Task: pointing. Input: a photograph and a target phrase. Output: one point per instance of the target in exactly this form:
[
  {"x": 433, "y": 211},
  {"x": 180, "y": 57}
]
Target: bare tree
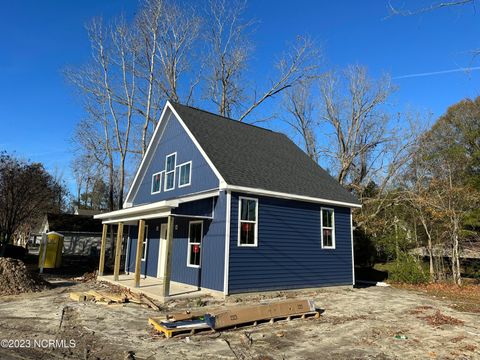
[
  {"x": 300, "y": 109},
  {"x": 166, "y": 35},
  {"x": 229, "y": 51},
  {"x": 394, "y": 10}
]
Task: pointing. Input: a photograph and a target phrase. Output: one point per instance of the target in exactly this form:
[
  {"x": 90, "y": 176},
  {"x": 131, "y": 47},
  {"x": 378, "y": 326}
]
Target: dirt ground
[{"x": 367, "y": 323}]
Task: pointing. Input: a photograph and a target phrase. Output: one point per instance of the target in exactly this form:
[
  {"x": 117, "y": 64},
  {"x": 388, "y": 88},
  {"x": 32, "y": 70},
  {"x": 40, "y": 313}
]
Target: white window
[
  {"x": 327, "y": 220},
  {"x": 195, "y": 236},
  {"x": 145, "y": 244},
  {"x": 156, "y": 183},
  {"x": 170, "y": 165},
  {"x": 185, "y": 174},
  {"x": 247, "y": 221}
]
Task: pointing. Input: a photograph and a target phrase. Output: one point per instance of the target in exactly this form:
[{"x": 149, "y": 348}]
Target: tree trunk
[{"x": 457, "y": 278}]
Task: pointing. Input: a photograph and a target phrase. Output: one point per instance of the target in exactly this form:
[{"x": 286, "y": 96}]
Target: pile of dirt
[{"x": 16, "y": 279}]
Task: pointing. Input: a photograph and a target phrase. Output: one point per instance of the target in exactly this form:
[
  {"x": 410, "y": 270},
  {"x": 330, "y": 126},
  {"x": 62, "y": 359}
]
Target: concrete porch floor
[{"x": 152, "y": 287}]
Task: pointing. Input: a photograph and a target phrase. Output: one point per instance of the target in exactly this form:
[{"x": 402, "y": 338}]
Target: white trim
[
  {"x": 160, "y": 185},
  {"x": 160, "y": 243},
  {"x": 165, "y": 189},
  {"x": 149, "y": 153},
  {"x": 227, "y": 243},
  {"x": 145, "y": 250},
  {"x": 127, "y": 252},
  {"x": 255, "y": 232},
  {"x": 200, "y": 244},
  {"x": 255, "y": 191},
  {"x": 180, "y": 174},
  {"x": 351, "y": 237},
  {"x": 133, "y": 188},
  {"x": 204, "y": 154},
  {"x": 328, "y": 228}
]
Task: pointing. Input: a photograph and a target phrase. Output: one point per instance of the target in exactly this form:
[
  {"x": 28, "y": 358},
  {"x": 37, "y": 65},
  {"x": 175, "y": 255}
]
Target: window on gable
[
  {"x": 185, "y": 174},
  {"x": 156, "y": 183},
  {"x": 248, "y": 222},
  {"x": 328, "y": 228},
  {"x": 195, "y": 236},
  {"x": 170, "y": 164}
]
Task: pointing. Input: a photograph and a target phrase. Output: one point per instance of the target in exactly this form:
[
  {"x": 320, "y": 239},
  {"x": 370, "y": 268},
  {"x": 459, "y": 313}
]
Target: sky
[{"x": 39, "y": 39}]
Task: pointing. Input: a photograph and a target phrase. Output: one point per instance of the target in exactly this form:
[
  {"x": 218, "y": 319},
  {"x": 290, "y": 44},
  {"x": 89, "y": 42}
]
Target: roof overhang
[
  {"x": 281, "y": 195},
  {"x": 142, "y": 212},
  {"x": 154, "y": 210},
  {"x": 167, "y": 111}
]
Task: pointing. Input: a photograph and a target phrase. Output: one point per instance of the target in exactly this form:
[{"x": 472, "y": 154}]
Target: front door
[{"x": 162, "y": 250}]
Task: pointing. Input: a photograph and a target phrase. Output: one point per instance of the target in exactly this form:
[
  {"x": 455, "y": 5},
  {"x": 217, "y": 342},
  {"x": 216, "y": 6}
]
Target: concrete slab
[{"x": 152, "y": 287}]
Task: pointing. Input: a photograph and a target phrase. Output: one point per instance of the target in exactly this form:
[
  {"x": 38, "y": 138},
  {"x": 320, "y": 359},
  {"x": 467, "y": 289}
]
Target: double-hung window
[
  {"x": 195, "y": 236},
  {"x": 185, "y": 174},
  {"x": 327, "y": 219},
  {"x": 170, "y": 164},
  {"x": 156, "y": 183},
  {"x": 247, "y": 222}
]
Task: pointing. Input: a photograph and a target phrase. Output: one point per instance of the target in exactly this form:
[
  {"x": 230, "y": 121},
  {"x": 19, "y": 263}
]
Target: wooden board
[
  {"x": 247, "y": 314},
  {"x": 170, "y": 331}
]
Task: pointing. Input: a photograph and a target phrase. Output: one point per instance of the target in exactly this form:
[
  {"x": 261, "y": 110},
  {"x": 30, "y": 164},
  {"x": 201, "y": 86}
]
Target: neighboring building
[
  {"x": 251, "y": 211},
  {"x": 82, "y": 234}
]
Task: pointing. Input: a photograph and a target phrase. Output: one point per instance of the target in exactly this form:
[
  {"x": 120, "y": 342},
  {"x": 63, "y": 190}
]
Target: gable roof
[{"x": 250, "y": 156}]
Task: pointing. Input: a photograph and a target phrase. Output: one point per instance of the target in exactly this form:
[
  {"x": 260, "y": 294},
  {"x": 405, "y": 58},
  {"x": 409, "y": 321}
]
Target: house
[
  {"x": 232, "y": 207},
  {"x": 82, "y": 234}
]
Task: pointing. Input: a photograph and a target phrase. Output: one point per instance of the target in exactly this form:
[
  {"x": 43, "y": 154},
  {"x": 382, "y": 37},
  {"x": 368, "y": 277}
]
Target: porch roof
[{"x": 153, "y": 210}]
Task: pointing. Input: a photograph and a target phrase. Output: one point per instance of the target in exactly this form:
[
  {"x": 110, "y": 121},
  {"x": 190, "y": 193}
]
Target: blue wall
[
  {"x": 211, "y": 273},
  {"x": 289, "y": 253},
  {"x": 175, "y": 139}
]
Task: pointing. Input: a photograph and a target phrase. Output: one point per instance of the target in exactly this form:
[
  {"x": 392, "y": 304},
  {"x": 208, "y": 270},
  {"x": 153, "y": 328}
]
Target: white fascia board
[
  {"x": 198, "y": 196},
  {"x": 194, "y": 140},
  {"x": 128, "y": 200},
  {"x": 281, "y": 195},
  {"x": 156, "y": 206},
  {"x": 145, "y": 160},
  {"x": 126, "y": 219}
]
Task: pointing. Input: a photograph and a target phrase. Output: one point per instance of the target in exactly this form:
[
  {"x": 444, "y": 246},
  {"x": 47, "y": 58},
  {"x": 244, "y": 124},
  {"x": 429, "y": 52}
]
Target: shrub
[{"x": 407, "y": 269}]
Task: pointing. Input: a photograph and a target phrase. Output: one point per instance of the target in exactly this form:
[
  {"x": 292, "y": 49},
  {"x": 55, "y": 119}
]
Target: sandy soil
[{"x": 356, "y": 324}]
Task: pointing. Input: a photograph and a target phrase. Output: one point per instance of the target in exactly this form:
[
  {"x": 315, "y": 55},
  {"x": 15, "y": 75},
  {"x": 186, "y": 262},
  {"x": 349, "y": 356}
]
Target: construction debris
[
  {"x": 16, "y": 279},
  {"x": 107, "y": 298},
  {"x": 192, "y": 322}
]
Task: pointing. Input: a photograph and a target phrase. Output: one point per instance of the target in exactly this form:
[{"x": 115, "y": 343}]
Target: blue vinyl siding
[
  {"x": 289, "y": 253},
  {"x": 211, "y": 273},
  {"x": 204, "y": 207},
  {"x": 175, "y": 139}
]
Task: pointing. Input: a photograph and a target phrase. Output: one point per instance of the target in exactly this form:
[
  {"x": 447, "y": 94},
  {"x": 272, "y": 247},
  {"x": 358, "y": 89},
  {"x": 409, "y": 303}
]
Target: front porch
[
  {"x": 153, "y": 288},
  {"x": 145, "y": 234}
]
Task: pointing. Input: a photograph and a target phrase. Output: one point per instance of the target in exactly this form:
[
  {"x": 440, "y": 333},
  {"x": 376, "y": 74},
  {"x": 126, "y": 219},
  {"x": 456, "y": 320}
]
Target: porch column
[
  {"x": 101, "y": 265},
  {"x": 167, "y": 265},
  {"x": 118, "y": 252},
  {"x": 138, "y": 261}
]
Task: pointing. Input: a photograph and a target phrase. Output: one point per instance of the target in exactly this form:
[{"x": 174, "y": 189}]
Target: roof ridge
[{"x": 226, "y": 118}]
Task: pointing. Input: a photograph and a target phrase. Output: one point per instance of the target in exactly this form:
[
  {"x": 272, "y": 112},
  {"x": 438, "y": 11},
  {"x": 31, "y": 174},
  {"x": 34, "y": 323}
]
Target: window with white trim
[
  {"x": 327, "y": 219},
  {"x": 185, "y": 174},
  {"x": 156, "y": 182},
  {"x": 247, "y": 221},
  {"x": 195, "y": 236},
  {"x": 170, "y": 164},
  {"x": 145, "y": 244}
]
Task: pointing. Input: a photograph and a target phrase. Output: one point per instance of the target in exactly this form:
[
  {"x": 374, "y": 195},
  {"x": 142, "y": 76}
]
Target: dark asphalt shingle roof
[{"x": 251, "y": 156}]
